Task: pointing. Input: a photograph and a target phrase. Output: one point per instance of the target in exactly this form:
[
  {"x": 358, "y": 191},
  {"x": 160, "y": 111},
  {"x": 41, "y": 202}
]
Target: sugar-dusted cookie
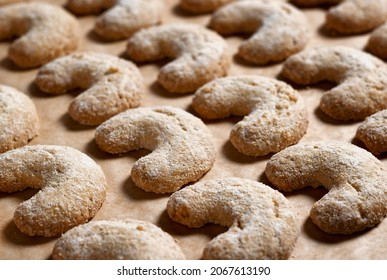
[
  {"x": 19, "y": 122},
  {"x": 361, "y": 79},
  {"x": 46, "y": 31},
  {"x": 198, "y": 54},
  {"x": 355, "y": 179},
  {"x": 127, "y": 239},
  {"x": 262, "y": 223},
  {"x": 275, "y": 114},
  {"x": 279, "y": 29}
]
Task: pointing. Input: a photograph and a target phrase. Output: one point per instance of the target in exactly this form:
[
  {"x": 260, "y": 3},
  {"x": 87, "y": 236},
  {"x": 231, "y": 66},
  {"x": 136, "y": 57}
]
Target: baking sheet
[{"x": 125, "y": 200}]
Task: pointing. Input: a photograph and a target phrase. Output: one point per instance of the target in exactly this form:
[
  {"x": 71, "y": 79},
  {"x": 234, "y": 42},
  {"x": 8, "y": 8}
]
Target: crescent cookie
[
  {"x": 361, "y": 79},
  {"x": 112, "y": 85},
  {"x": 198, "y": 55},
  {"x": 182, "y": 146},
  {"x": 19, "y": 122},
  {"x": 354, "y": 178},
  {"x": 351, "y": 16},
  {"x": 275, "y": 114},
  {"x": 117, "y": 240},
  {"x": 373, "y": 132},
  {"x": 279, "y": 29},
  {"x": 261, "y": 221},
  {"x": 72, "y": 187},
  {"x": 46, "y": 31},
  {"x": 122, "y": 18},
  {"x": 377, "y": 43}
]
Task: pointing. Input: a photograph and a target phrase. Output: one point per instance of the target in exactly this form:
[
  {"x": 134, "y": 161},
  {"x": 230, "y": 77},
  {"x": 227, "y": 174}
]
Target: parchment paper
[{"x": 125, "y": 200}]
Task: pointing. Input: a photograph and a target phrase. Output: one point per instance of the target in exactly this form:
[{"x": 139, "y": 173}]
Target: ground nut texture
[
  {"x": 72, "y": 187},
  {"x": 373, "y": 132},
  {"x": 276, "y": 116},
  {"x": 182, "y": 146},
  {"x": 261, "y": 222},
  {"x": 361, "y": 79},
  {"x": 112, "y": 85},
  {"x": 355, "y": 179},
  {"x": 19, "y": 122},
  {"x": 117, "y": 240},
  {"x": 46, "y": 32},
  {"x": 198, "y": 54}
]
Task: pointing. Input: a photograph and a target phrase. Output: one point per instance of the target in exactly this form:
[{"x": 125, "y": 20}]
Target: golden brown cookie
[
  {"x": 117, "y": 240},
  {"x": 361, "y": 79},
  {"x": 279, "y": 29},
  {"x": 112, "y": 85},
  {"x": 377, "y": 43},
  {"x": 19, "y": 122},
  {"x": 356, "y": 16},
  {"x": 182, "y": 146},
  {"x": 73, "y": 187},
  {"x": 275, "y": 114},
  {"x": 261, "y": 221},
  {"x": 202, "y": 6},
  {"x": 198, "y": 55},
  {"x": 373, "y": 132},
  {"x": 355, "y": 179},
  {"x": 123, "y": 17},
  {"x": 351, "y": 16},
  {"x": 46, "y": 31}
]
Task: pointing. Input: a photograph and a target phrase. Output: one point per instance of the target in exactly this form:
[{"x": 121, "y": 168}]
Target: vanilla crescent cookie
[
  {"x": 373, "y": 132},
  {"x": 361, "y": 79},
  {"x": 202, "y": 6},
  {"x": 127, "y": 239},
  {"x": 182, "y": 146},
  {"x": 72, "y": 187},
  {"x": 46, "y": 31},
  {"x": 351, "y": 16},
  {"x": 19, "y": 122},
  {"x": 112, "y": 85},
  {"x": 354, "y": 178},
  {"x": 198, "y": 55},
  {"x": 377, "y": 43},
  {"x": 275, "y": 114},
  {"x": 123, "y": 17},
  {"x": 262, "y": 223},
  {"x": 279, "y": 29}
]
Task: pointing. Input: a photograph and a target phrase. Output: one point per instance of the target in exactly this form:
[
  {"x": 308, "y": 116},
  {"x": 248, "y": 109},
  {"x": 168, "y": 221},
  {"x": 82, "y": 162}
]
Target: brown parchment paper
[{"x": 125, "y": 200}]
